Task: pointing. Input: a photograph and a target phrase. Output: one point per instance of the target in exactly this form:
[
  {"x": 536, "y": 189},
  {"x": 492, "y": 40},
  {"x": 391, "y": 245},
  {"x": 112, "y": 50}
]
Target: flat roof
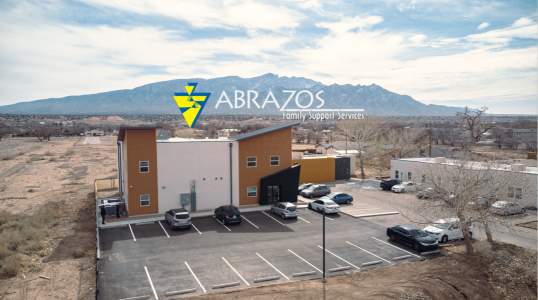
[
  {"x": 121, "y": 134},
  {"x": 476, "y": 164},
  {"x": 263, "y": 131}
]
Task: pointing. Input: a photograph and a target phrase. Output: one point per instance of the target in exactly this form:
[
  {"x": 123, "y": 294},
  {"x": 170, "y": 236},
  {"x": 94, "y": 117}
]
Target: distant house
[
  {"x": 326, "y": 148},
  {"x": 94, "y": 132},
  {"x": 520, "y": 133},
  {"x": 225, "y": 133}
]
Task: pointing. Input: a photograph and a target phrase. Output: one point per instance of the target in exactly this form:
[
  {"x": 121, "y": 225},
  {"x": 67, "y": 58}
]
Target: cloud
[
  {"x": 347, "y": 24},
  {"x": 483, "y": 25},
  {"x": 523, "y": 28},
  {"x": 213, "y": 13}
]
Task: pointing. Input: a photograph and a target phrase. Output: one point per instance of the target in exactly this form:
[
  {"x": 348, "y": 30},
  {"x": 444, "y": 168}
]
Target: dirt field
[{"x": 58, "y": 174}]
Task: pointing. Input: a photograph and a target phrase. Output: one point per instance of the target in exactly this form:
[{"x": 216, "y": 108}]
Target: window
[
  {"x": 423, "y": 178},
  {"x": 144, "y": 166},
  {"x": 408, "y": 176},
  {"x": 251, "y": 162},
  {"x": 144, "y": 200},
  {"x": 274, "y": 161},
  {"x": 252, "y": 191},
  {"x": 396, "y": 174}
]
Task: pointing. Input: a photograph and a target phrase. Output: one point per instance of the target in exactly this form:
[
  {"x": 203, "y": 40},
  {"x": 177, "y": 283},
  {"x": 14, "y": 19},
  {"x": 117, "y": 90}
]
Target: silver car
[
  {"x": 316, "y": 191},
  {"x": 285, "y": 210},
  {"x": 178, "y": 217},
  {"x": 505, "y": 208}
]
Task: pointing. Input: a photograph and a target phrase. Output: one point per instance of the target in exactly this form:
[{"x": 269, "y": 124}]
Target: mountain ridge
[{"x": 157, "y": 98}]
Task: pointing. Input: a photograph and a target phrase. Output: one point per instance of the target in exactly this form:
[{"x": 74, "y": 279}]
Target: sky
[{"x": 446, "y": 52}]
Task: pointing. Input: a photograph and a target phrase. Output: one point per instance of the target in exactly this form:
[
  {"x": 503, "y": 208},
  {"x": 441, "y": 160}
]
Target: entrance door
[{"x": 273, "y": 193}]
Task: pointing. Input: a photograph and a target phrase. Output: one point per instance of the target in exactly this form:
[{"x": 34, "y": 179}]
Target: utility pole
[{"x": 430, "y": 139}]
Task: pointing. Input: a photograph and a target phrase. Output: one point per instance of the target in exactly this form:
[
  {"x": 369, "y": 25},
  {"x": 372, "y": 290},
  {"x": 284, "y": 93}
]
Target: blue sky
[{"x": 475, "y": 53}]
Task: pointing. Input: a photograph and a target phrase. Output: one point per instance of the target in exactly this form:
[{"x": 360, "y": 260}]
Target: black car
[
  {"x": 227, "y": 214},
  {"x": 412, "y": 236},
  {"x": 387, "y": 184}
]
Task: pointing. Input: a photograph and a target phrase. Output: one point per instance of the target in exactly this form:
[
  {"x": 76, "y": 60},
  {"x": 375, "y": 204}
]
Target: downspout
[
  {"x": 120, "y": 173},
  {"x": 231, "y": 179}
]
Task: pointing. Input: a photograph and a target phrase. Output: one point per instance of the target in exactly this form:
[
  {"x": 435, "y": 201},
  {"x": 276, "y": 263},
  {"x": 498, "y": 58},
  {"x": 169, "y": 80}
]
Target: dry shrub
[
  {"x": 7, "y": 216},
  {"x": 20, "y": 153},
  {"x": 33, "y": 158},
  {"x": 59, "y": 213},
  {"x": 75, "y": 218},
  {"x": 3, "y": 187},
  {"x": 8, "y": 157},
  {"x": 69, "y": 152},
  {"x": 30, "y": 190},
  {"x": 43, "y": 216},
  {"x": 48, "y": 153},
  {"x": 30, "y": 246},
  {"x": 4, "y": 251},
  {"x": 12, "y": 264},
  {"x": 53, "y": 159},
  {"x": 78, "y": 253}
]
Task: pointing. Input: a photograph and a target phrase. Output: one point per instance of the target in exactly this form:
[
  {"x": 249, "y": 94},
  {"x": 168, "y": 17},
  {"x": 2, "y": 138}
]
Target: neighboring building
[
  {"x": 520, "y": 133},
  {"x": 410, "y": 169},
  {"x": 228, "y": 132},
  {"x": 157, "y": 175},
  {"x": 326, "y": 148},
  {"x": 94, "y": 132},
  {"x": 438, "y": 152}
]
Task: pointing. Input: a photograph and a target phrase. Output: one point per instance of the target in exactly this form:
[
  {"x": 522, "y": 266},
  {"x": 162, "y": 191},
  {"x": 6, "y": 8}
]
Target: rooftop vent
[
  {"x": 518, "y": 167},
  {"x": 440, "y": 160}
]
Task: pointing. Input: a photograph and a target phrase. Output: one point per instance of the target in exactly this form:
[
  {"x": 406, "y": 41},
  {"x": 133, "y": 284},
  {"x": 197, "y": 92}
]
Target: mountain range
[{"x": 157, "y": 98}]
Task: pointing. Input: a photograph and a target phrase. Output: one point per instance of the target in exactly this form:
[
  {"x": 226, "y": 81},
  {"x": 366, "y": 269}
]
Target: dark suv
[
  {"x": 178, "y": 217},
  {"x": 387, "y": 184},
  {"x": 227, "y": 214}
]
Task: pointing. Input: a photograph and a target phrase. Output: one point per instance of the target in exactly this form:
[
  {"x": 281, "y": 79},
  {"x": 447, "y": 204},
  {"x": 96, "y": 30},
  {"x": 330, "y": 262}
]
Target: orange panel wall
[
  {"x": 277, "y": 143},
  {"x": 314, "y": 170},
  {"x": 142, "y": 146}
]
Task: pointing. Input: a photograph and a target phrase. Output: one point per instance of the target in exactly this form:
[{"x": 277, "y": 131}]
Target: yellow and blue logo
[{"x": 191, "y": 104}]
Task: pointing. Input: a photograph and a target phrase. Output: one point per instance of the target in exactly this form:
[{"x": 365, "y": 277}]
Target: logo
[{"x": 191, "y": 104}]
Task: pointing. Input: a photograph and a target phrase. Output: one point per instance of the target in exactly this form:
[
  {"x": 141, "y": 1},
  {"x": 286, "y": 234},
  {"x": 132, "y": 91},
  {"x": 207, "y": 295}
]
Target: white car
[
  {"x": 404, "y": 187},
  {"x": 448, "y": 229},
  {"x": 329, "y": 206}
]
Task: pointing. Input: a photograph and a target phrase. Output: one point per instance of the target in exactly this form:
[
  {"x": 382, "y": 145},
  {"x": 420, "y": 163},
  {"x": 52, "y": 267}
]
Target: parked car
[
  {"x": 58, "y": 135},
  {"x": 323, "y": 204},
  {"x": 178, "y": 217},
  {"x": 506, "y": 208},
  {"x": 482, "y": 202},
  {"x": 412, "y": 236},
  {"x": 227, "y": 214},
  {"x": 304, "y": 186},
  {"x": 285, "y": 210},
  {"x": 339, "y": 198},
  {"x": 387, "y": 184},
  {"x": 425, "y": 193},
  {"x": 316, "y": 191},
  {"x": 404, "y": 187},
  {"x": 444, "y": 230}
]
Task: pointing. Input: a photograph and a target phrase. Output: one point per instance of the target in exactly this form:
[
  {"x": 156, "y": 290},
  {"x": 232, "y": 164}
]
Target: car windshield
[
  {"x": 311, "y": 187},
  {"x": 182, "y": 216},
  {"x": 440, "y": 225},
  {"x": 330, "y": 203},
  {"x": 499, "y": 204},
  {"x": 332, "y": 195},
  {"x": 304, "y": 186},
  {"x": 418, "y": 233}
]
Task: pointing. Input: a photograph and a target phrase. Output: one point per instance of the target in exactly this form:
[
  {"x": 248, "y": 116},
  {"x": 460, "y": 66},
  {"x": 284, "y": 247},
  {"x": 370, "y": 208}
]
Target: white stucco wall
[{"x": 181, "y": 162}]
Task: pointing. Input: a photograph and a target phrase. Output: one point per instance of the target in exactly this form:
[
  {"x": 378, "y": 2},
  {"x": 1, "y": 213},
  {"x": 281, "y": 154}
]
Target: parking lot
[{"x": 152, "y": 260}]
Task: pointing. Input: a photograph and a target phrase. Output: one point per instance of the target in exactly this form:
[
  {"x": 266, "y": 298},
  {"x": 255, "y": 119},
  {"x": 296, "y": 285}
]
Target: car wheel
[
  {"x": 214, "y": 215},
  {"x": 470, "y": 234},
  {"x": 523, "y": 210},
  {"x": 283, "y": 216},
  {"x": 223, "y": 222},
  {"x": 348, "y": 201},
  {"x": 311, "y": 196},
  {"x": 416, "y": 247},
  {"x": 393, "y": 237},
  {"x": 506, "y": 213},
  {"x": 309, "y": 206},
  {"x": 272, "y": 211},
  {"x": 239, "y": 222},
  {"x": 444, "y": 239},
  {"x": 403, "y": 190},
  {"x": 171, "y": 226}
]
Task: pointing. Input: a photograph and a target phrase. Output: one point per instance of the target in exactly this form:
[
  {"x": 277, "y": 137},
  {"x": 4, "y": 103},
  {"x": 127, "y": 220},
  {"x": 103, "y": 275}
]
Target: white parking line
[
  {"x": 195, "y": 277},
  {"x": 368, "y": 252},
  {"x": 273, "y": 218},
  {"x": 196, "y": 229},
  {"x": 152, "y": 287},
  {"x": 236, "y": 271},
  {"x": 304, "y": 220},
  {"x": 222, "y": 224},
  {"x": 341, "y": 258},
  {"x": 363, "y": 208},
  {"x": 273, "y": 267},
  {"x": 320, "y": 214},
  {"x": 163, "y": 229},
  {"x": 132, "y": 232},
  {"x": 305, "y": 261},
  {"x": 250, "y": 222},
  {"x": 395, "y": 247}
]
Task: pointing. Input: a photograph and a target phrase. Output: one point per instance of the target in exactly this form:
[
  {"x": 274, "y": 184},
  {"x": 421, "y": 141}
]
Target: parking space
[{"x": 153, "y": 260}]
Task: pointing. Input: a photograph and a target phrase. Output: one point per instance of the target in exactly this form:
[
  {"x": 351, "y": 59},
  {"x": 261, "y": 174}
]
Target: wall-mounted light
[
  {"x": 204, "y": 178},
  {"x": 221, "y": 178},
  {"x": 216, "y": 178},
  {"x": 131, "y": 186}
]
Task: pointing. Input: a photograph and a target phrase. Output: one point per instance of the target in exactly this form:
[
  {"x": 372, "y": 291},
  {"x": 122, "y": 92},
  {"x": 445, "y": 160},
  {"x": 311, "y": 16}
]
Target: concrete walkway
[{"x": 92, "y": 140}]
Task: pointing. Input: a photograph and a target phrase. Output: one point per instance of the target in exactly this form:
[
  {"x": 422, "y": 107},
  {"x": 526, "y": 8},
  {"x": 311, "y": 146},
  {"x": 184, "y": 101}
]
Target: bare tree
[
  {"x": 530, "y": 142},
  {"x": 400, "y": 143},
  {"x": 466, "y": 188},
  {"x": 316, "y": 137},
  {"x": 499, "y": 136},
  {"x": 4, "y": 130},
  {"x": 363, "y": 132},
  {"x": 471, "y": 122},
  {"x": 42, "y": 131}
]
